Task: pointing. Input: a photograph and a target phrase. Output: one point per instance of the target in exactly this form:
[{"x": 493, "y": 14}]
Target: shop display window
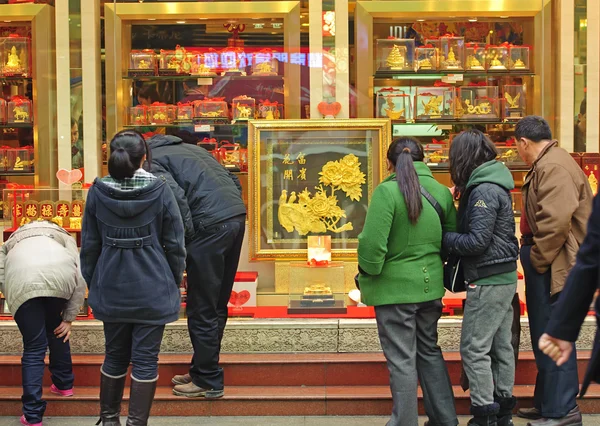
[
  {"x": 479, "y": 103},
  {"x": 436, "y": 154},
  {"x": 211, "y": 108},
  {"x": 263, "y": 63},
  {"x": 142, "y": 63},
  {"x": 426, "y": 58},
  {"x": 519, "y": 58},
  {"x": 317, "y": 289},
  {"x": 2, "y": 111},
  {"x": 497, "y": 58},
  {"x": 453, "y": 53},
  {"x": 185, "y": 112},
  {"x": 514, "y": 101},
  {"x": 158, "y": 113},
  {"x": 243, "y": 107},
  {"x": 19, "y": 110},
  {"x": 19, "y": 159},
  {"x": 269, "y": 110},
  {"x": 434, "y": 103},
  {"x": 395, "y": 54},
  {"x": 138, "y": 115},
  {"x": 475, "y": 57},
  {"x": 394, "y": 105},
  {"x": 14, "y": 51}
]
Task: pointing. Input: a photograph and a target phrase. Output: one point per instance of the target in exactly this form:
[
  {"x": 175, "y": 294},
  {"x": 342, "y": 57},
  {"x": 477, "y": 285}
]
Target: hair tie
[{"x": 407, "y": 150}]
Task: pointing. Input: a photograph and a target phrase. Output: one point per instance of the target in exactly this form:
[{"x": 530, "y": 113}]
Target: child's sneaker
[
  {"x": 57, "y": 391},
  {"x": 24, "y": 422}
]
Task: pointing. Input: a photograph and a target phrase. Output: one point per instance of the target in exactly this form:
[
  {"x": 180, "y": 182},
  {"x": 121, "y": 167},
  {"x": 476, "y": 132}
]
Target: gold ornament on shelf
[
  {"x": 451, "y": 61},
  {"x": 519, "y": 64},
  {"x": 58, "y": 220},
  {"x": 212, "y": 114},
  {"x": 433, "y": 106},
  {"x": 320, "y": 212},
  {"x": 143, "y": 65},
  {"x": 496, "y": 63},
  {"x": 425, "y": 64},
  {"x": 391, "y": 112},
  {"x": 483, "y": 108},
  {"x": 318, "y": 289},
  {"x": 75, "y": 223},
  {"x": 395, "y": 59},
  {"x": 473, "y": 63},
  {"x": 512, "y": 102},
  {"x": 243, "y": 111},
  {"x": 264, "y": 68},
  {"x": 269, "y": 115},
  {"x": 20, "y": 114},
  {"x": 593, "y": 183},
  {"x": 159, "y": 116},
  {"x": 13, "y": 63}
]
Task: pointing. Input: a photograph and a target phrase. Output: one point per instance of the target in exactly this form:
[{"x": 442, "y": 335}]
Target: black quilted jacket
[{"x": 486, "y": 238}]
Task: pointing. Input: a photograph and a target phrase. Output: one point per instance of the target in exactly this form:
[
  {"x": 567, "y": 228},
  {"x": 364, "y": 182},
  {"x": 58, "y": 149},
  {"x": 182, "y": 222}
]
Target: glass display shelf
[
  {"x": 197, "y": 77},
  {"x": 180, "y": 125},
  {"x": 13, "y": 173},
  {"x": 454, "y": 122},
  {"x": 15, "y": 79},
  {"x": 438, "y": 74},
  {"x": 17, "y": 126}
]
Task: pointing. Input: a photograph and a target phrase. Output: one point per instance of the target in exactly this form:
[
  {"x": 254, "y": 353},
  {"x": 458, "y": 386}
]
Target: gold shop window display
[{"x": 312, "y": 178}]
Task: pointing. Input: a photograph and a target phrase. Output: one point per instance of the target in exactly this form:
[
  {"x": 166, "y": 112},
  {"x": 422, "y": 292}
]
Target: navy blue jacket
[
  {"x": 578, "y": 294},
  {"x": 206, "y": 192},
  {"x": 133, "y": 253}
]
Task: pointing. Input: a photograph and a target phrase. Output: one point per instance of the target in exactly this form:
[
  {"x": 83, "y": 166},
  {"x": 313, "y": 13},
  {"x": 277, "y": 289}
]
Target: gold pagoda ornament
[{"x": 396, "y": 60}]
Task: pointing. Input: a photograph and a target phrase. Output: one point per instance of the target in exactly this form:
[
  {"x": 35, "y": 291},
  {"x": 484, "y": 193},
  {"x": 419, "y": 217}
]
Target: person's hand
[
  {"x": 558, "y": 350},
  {"x": 63, "y": 330}
]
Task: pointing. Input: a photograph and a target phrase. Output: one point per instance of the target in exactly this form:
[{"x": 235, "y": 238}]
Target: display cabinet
[
  {"x": 395, "y": 55},
  {"x": 142, "y": 63},
  {"x": 138, "y": 115},
  {"x": 19, "y": 110},
  {"x": 394, "y": 105},
  {"x": 185, "y": 112},
  {"x": 212, "y": 108},
  {"x": 519, "y": 58},
  {"x": 434, "y": 103},
  {"x": 174, "y": 62},
  {"x": 479, "y": 103},
  {"x": 317, "y": 289},
  {"x": 453, "y": 53},
  {"x": 426, "y": 58},
  {"x": 475, "y": 57},
  {"x": 19, "y": 159},
  {"x": 514, "y": 101},
  {"x": 497, "y": 58},
  {"x": 14, "y": 51},
  {"x": 243, "y": 108}
]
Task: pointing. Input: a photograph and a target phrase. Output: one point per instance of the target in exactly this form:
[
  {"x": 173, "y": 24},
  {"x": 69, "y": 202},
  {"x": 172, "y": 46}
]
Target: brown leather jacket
[{"x": 558, "y": 203}]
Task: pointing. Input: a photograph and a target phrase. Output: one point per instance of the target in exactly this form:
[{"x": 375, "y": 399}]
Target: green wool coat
[{"x": 401, "y": 262}]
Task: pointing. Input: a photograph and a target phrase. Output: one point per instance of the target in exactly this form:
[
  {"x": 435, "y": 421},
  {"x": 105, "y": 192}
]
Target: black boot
[
  {"x": 507, "y": 405},
  {"x": 140, "y": 402},
  {"x": 111, "y": 394},
  {"x": 484, "y": 415}
]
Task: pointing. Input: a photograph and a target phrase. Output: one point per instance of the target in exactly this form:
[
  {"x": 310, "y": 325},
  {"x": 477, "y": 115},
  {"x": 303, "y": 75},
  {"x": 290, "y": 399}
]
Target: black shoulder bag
[{"x": 454, "y": 279}]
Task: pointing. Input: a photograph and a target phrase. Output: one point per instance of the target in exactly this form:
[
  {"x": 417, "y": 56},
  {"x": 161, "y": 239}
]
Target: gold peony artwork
[{"x": 319, "y": 212}]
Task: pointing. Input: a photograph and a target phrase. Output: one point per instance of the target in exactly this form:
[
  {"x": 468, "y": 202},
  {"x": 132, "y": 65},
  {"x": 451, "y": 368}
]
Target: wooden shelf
[
  {"x": 17, "y": 126},
  {"x": 438, "y": 74}
]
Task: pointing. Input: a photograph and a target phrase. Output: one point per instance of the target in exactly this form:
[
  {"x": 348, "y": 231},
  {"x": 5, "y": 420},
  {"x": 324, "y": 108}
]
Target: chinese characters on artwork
[{"x": 290, "y": 160}]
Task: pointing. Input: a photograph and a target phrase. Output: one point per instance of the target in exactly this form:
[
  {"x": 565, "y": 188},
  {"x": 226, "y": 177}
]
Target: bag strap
[{"x": 433, "y": 203}]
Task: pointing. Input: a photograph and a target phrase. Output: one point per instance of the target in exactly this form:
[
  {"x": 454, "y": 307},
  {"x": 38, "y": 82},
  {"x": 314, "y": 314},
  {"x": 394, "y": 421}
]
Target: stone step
[
  {"x": 302, "y": 369},
  {"x": 264, "y": 401}
]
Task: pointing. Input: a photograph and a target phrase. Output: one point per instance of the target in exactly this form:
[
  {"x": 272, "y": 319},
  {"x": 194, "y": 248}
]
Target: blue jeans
[
  {"x": 37, "y": 318},
  {"x": 135, "y": 343},
  {"x": 556, "y": 388}
]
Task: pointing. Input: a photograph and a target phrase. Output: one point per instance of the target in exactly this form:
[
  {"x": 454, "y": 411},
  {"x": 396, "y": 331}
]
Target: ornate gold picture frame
[{"x": 312, "y": 177}]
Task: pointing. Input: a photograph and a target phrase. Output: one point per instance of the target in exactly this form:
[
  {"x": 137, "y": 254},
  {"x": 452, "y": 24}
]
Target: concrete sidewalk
[{"x": 588, "y": 420}]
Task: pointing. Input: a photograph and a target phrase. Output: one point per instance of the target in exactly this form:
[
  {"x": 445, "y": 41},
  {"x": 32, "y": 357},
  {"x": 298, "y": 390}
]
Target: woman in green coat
[{"x": 401, "y": 274}]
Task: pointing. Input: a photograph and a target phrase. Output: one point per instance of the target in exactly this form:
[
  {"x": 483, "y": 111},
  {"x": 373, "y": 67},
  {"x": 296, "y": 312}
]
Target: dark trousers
[
  {"x": 37, "y": 318},
  {"x": 135, "y": 343},
  {"x": 212, "y": 261},
  {"x": 555, "y": 387},
  {"x": 408, "y": 335}
]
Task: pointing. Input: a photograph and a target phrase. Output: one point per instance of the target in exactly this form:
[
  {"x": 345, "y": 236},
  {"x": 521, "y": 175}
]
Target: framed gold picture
[{"x": 312, "y": 177}]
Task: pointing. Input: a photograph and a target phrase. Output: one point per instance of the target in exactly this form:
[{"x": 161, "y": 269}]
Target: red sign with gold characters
[
  {"x": 47, "y": 209},
  {"x": 32, "y": 209},
  {"x": 63, "y": 208}
]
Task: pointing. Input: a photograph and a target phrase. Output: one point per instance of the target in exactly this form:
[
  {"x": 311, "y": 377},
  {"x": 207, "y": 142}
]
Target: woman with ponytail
[
  {"x": 401, "y": 274},
  {"x": 132, "y": 258}
]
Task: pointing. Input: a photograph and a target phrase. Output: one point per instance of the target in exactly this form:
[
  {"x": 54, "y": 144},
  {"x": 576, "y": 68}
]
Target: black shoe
[
  {"x": 484, "y": 415},
  {"x": 529, "y": 413},
  {"x": 573, "y": 418},
  {"x": 140, "y": 402},
  {"x": 507, "y": 405},
  {"x": 111, "y": 395}
]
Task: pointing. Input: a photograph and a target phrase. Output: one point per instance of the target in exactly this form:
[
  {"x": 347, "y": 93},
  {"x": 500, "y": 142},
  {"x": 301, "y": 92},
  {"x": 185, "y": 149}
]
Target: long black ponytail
[
  {"x": 127, "y": 149},
  {"x": 402, "y": 153}
]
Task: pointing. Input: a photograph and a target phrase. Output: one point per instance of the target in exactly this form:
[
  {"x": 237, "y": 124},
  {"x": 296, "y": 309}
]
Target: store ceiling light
[
  {"x": 420, "y": 20},
  {"x": 180, "y": 22},
  {"x": 473, "y": 20},
  {"x": 504, "y": 17},
  {"x": 305, "y": 24},
  {"x": 152, "y": 19}
]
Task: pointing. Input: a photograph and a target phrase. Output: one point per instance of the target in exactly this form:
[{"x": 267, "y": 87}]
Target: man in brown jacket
[{"x": 557, "y": 203}]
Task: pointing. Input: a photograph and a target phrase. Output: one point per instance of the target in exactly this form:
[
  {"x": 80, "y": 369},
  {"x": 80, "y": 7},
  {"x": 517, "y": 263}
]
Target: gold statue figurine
[
  {"x": 264, "y": 68},
  {"x": 425, "y": 64},
  {"x": 20, "y": 114},
  {"x": 243, "y": 111},
  {"x": 473, "y": 63},
  {"x": 451, "y": 61},
  {"x": 433, "y": 106},
  {"x": 143, "y": 65},
  {"x": 390, "y": 110},
  {"x": 496, "y": 63},
  {"x": 483, "y": 108},
  {"x": 395, "y": 60},
  {"x": 13, "y": 63},
  {"x": 593, "y": 183},
  {"x": 512, "y": 102},
  {"x": 519, "y": 64}
]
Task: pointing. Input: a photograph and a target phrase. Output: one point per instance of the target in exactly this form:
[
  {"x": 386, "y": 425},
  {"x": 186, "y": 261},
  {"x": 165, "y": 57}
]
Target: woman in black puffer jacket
[{"x": 488, "y": 247}]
